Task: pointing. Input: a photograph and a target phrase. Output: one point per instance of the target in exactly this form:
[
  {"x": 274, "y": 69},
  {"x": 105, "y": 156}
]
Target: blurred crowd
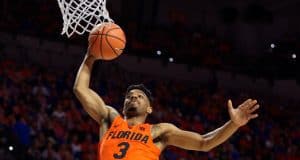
[
  {"x": 192, "y": 45},
  {"x": 41, "y": 119},
  {"x": 175, "y": 39}
]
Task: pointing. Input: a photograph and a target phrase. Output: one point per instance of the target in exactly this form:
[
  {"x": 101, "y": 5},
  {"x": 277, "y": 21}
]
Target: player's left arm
[{"x": 171, "y": 135}]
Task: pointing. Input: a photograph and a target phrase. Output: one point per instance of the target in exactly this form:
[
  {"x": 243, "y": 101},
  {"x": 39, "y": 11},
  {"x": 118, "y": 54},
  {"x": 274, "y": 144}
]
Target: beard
[{"x": 131, "y": 110}]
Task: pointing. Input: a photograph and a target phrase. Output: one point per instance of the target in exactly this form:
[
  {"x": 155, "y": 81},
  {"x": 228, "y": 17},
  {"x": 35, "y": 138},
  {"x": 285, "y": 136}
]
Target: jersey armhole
[{"x": 158, "y": 150}]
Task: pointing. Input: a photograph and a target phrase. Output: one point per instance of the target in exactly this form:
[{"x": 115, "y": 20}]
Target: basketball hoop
[{"x": 80, "y": 16}]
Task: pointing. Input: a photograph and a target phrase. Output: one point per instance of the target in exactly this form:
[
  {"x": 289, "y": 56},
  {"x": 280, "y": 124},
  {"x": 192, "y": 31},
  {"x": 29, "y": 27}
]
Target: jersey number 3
[{"x": 124, "y": 146}]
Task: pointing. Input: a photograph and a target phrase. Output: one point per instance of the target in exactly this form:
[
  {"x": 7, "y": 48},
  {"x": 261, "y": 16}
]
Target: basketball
[{"x": 106, "y": 41}]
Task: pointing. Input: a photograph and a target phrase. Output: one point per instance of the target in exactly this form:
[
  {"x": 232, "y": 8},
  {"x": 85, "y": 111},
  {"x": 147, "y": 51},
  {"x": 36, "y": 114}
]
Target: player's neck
[{"x": 132, "y": 121}]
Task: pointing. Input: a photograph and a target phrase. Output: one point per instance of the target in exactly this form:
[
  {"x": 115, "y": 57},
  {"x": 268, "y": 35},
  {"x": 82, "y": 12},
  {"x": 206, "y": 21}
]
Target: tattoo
[
  {"x": 158, "y": 136},
  {"x": 112, "y": 115},
  {"x": 155, "y": 131}
]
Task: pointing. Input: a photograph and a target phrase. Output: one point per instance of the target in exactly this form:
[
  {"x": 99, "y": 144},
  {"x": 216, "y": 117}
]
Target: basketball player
[{"x": 130, "y": 138}]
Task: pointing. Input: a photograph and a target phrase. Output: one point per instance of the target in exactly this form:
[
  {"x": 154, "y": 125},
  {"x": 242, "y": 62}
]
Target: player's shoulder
[
  {"x": 159, "y": 129},
  {"x": 112, "y": 114},
  {"x": 163, "y": 125}
]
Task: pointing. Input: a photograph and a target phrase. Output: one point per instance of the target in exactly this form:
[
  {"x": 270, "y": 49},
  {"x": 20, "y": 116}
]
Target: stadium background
[{"x": 193, "y": 55}]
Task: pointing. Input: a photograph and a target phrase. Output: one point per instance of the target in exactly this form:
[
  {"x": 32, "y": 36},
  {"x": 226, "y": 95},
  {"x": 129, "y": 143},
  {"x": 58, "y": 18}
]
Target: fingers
[
  {"x": 252, "y": 103},
  {"x": 119, "y": 50},
  {"x": 248, "y": 104},
  {"x": 229, "y": 104},
  {"x": 245, "y": 103},
  {"x": 252, "y": 116},
  {"x": 253, "y": 108}
]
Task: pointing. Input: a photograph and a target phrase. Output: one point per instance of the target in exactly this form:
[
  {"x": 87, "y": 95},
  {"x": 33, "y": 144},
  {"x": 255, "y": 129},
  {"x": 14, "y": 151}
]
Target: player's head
[{"x": 137, "y": 101}]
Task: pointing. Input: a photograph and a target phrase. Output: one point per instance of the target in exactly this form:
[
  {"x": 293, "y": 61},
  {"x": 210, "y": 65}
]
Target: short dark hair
[{"x": 141, "y": 87}]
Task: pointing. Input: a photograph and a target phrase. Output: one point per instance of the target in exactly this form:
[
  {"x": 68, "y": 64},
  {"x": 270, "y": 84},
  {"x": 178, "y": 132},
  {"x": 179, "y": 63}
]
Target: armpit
[{"x": 112, "y": 114}]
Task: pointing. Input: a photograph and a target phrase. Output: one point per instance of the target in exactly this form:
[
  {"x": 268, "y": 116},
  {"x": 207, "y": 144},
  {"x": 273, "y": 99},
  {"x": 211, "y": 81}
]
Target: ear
[{"x": 149, "y": 110}]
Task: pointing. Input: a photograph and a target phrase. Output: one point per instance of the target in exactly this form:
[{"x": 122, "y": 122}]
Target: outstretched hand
[{"x": 244, "y": 112}]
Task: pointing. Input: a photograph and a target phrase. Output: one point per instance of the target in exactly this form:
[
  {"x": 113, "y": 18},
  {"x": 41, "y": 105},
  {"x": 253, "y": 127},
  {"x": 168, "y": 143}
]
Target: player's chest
[{"x": 135, "y": 134}]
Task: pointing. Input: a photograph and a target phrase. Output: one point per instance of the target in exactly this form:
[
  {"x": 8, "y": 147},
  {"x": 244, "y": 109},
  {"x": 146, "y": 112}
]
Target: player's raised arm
[
  {"x": 89, "y": 99},
  {"x": 194, "y": 141},
  {"x": 171, "y": 135}
]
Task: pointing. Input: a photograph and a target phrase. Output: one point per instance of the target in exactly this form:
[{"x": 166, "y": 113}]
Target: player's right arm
[{"x": 89, "y": 99}]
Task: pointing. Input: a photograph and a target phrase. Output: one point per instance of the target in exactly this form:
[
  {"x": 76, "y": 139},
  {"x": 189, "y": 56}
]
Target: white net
[{"x": 81, "y": 16}]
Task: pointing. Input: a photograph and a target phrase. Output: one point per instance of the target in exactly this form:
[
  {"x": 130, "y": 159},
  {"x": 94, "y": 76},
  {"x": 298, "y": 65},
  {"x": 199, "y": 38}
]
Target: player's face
[{"x": 136, "y": 103}]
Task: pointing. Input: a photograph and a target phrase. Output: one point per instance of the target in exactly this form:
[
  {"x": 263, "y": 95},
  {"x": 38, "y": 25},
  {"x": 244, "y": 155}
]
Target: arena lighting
[
  {"x": 158, "y": 52},
  {"x": 10, "y": 148},
  {"x": 171, "y": 59},
  {"x": 272, "y": 45},
  {"x": 294, "y": 56}
]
